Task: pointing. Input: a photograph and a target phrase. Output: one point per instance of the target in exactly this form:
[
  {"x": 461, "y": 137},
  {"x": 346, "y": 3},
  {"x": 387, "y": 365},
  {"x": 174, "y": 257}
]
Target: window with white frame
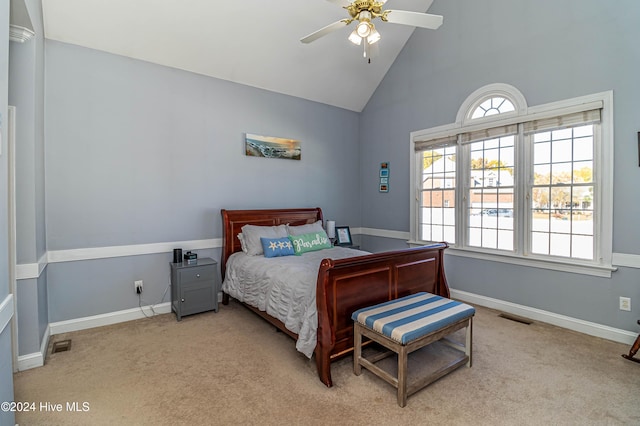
[{"x": 527, "y": 185}]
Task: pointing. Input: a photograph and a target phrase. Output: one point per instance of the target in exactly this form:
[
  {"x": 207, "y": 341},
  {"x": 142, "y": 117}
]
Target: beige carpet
[{"x": 232, "y": 367}]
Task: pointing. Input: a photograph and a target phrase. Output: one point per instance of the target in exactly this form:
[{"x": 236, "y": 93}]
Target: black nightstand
[{"x": 194, "y": 287}]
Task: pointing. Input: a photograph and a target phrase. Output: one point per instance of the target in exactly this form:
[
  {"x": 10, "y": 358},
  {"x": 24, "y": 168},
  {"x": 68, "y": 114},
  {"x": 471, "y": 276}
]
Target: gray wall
[
  {"x": 550, "y": 51},
  {"x": 6, "y": 368},
  {"x": 33, "y": 314},
  {"x": 138, "y": 153},
  {"x": 26, "y": 93}
]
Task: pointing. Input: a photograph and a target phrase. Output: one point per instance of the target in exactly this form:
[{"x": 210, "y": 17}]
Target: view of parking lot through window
[
  {"x": 491, "y": 193},
  {"x": 562, "y": 193}
]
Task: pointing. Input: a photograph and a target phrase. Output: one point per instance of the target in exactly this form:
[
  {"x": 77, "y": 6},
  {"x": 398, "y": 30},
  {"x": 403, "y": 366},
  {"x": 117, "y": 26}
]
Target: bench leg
[
  {"x": 468, "y": 347},
  {"x": 357, "y": 349},
  {"x": 402, "y": 376}
]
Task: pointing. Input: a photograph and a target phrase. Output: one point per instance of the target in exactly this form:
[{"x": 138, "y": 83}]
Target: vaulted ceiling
[{"x": 252, "y": 42}]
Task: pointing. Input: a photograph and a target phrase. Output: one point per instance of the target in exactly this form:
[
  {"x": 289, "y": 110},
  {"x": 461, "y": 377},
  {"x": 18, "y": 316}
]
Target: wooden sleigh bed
[{"x": 343, "y": 285}]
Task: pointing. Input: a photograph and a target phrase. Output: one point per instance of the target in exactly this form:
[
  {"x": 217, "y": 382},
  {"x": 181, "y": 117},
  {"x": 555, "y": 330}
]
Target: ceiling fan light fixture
[
  {"x": 374, "y": 37},
  {"x": 355, "y": 38},
  {"x": 363, "y": 29}
]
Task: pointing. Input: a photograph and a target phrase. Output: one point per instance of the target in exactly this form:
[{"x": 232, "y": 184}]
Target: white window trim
[
  {"x": 497, "y": 89},
  {"x": 601, "y": 266}
]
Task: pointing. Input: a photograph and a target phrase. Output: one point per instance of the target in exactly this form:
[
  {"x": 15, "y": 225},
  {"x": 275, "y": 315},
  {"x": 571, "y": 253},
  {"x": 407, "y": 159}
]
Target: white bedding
[{"x": 283, "y": 287}]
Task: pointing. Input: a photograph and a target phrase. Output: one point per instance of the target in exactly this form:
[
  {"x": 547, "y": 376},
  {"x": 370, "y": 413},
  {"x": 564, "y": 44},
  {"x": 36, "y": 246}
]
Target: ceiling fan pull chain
[{"x": 367, "y": 51}]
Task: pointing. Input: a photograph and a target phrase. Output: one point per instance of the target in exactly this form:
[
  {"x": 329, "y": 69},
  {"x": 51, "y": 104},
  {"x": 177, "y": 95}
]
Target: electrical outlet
[
  {"x": 137, "y": 286},
  {"x": 625, "y": 303}
]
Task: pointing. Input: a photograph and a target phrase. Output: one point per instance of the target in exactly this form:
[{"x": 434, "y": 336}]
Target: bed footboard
[{"x": 346, "y": 285}]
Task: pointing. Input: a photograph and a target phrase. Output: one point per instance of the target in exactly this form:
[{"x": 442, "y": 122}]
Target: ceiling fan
[{"x": 365, "y": 11}]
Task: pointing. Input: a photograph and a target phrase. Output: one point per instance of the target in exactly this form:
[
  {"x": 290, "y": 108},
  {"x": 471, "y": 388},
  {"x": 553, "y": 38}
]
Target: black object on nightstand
[{"x": 194, "y": 287}]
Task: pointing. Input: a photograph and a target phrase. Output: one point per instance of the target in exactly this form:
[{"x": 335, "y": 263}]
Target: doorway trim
[{"x": 11, "y": 207}]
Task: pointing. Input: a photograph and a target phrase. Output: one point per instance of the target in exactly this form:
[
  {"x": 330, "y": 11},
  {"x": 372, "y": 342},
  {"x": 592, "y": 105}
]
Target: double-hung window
[{"x": 518, "y": 184}]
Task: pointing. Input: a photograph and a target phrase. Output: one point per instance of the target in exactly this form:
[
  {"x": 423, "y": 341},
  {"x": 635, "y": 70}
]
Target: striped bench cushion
[{"x": 411, "y": 317}]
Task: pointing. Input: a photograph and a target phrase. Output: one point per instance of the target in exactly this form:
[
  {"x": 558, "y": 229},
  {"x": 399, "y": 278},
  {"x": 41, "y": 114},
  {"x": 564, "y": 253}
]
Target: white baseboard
[
  {"x": 581, "y": 326},
  {"x": 110, "y": 318},
  {"x": 107, "y": 319},
  {"x": 27, "y": 362},
  {"x": 36, "y": 359}
]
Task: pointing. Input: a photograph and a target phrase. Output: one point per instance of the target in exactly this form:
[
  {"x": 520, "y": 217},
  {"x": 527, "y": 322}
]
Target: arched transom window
[{"x": 492, "y": 106}]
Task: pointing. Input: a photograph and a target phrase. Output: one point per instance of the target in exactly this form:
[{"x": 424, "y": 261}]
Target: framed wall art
[{"x": 271, "y": 147}]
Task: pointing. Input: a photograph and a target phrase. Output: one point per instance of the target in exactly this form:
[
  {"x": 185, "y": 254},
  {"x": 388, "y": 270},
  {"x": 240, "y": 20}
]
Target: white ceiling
[{"x": 252, "y": 42}]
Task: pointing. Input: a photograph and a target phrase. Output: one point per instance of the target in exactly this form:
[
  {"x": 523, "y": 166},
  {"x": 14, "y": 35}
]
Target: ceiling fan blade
[
  {"x": 341, "y": 3},
  {"x": 415, "y": 19},
  {"x": 323, "y": 31}
]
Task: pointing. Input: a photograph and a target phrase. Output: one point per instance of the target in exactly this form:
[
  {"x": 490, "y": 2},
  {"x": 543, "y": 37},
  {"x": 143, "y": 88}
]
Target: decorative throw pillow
[
  {"x": 276, "y": 247},
  {"x": 305, "y": 229},
  {"x": 251, "y": 235},
  {"x": 310, "y": 242}
]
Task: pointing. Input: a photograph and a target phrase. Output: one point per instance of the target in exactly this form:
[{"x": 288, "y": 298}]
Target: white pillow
[
  {"x": 242, "y": 243},
  {"x": 305, "y": 229},
  {"x": 251, "y": 235}
]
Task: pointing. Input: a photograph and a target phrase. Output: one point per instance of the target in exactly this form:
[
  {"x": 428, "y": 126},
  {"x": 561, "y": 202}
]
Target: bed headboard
[{"x": 234, "y": 220}]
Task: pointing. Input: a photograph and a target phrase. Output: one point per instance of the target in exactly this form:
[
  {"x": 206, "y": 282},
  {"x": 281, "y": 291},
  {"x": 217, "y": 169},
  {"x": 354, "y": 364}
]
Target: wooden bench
[{"x": 405, "y": 325}]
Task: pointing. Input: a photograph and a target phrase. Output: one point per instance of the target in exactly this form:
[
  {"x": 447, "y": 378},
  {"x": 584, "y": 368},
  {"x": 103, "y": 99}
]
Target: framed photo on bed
[{"x": 343, "y": 236}]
